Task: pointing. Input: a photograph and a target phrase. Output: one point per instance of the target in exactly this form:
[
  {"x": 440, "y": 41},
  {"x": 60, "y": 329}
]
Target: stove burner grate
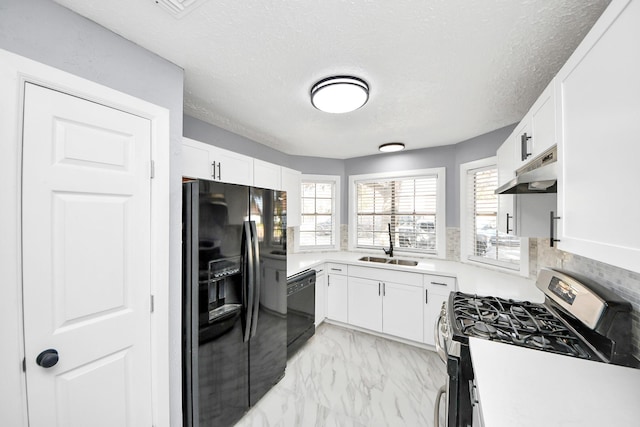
[{"x": 512, "y": 322}]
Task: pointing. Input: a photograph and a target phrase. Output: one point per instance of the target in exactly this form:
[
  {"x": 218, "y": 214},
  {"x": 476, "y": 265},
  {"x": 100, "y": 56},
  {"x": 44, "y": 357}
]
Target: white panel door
[
  {"x": 402, "y": 311},
  {"x": 337, "y": 298},
  {"x": 196, "y": 161},
  {"x": 86, "y": 262},
  {"x": 598, "y": 114},
  {"x": 266, "y": 175},
  {"x": 365, "y": 303}
]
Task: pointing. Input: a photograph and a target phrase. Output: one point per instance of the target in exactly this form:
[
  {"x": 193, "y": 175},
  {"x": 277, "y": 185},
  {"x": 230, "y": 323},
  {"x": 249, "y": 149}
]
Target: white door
[
  {"x": 365, "y": 303},
  {"x": 86, "y": 262},
  {"x": 402, "y": 311},
  {"x": 337, "y": 298}
]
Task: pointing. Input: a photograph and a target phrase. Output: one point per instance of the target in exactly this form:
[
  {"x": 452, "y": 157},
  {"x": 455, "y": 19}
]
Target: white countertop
[
  {"x": 521, "y": 387},
  {"x": 471, "y": 279}
]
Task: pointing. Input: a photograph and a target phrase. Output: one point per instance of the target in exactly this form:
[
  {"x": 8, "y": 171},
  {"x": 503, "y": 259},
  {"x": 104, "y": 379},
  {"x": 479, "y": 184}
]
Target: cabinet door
[
  {"x": 402, "y": 311},
  {"x": 266, "y": 175},
  {"x": 337, "y": 296},
  {"x": 365, "y": 303},
  {"x": 543, "y": 122},
  {"x": 195, "y": 159},
  {"x": 232, "y": 167},
  {"x": 321, "y": 295},
  {"x": 598, "y": 110},
  {"x": 432, "y": 306},
  {"x": 506, "y": 171},
  {"x": 522, "y": 142},
  {"x": 291, "y": 184}
]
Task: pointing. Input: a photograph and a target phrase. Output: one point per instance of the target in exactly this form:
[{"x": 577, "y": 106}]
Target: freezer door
[
  {"x": 268, "y": 343},
  {"x": 215, "y": 355}
]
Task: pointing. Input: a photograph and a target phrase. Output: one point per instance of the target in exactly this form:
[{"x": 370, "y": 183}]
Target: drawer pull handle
[
  {"x": 336, "y": 269},
  {"x": 439, "y": 283}
]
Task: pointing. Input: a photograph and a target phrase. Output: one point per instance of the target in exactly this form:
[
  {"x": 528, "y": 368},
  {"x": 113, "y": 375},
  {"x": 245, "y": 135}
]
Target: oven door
[{"x": 459, "y": 375}]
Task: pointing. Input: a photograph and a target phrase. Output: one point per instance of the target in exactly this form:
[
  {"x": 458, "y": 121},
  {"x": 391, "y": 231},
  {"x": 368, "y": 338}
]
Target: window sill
[{"x": 515, "y": 270}]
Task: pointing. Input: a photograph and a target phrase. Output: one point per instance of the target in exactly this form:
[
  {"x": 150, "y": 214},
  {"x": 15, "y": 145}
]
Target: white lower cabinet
[
  {"x": 402, "y": 311},
  {"x": 379, "y": 304},
  {"x": 321, "y": 294},
  {"x": 396, "y": 303},
  {"x": 433, "y": 304},
  {"x": 436, "y": 290},
  {"x": 337, "y": 293},
  {"x": 365, "y": 303}
]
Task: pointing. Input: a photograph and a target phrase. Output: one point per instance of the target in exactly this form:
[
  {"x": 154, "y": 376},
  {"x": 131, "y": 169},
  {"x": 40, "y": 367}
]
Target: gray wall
[
  {"x": 449, "y": 156},
  {"x": 48, "y": 33},
  {"x": 202, "y": 131}
]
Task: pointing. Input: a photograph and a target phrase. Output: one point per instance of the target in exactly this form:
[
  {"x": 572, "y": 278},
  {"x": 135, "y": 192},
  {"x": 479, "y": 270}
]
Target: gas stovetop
[{"x": 520, "y": 323}]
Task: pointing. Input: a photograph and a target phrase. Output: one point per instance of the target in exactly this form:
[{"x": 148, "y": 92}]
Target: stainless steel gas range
[{"x": 579, "y": 318}]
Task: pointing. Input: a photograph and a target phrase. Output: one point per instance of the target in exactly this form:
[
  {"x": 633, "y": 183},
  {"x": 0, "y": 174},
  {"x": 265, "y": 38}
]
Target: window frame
[
  {"x": 466, "y": 253},
  {"x": 441, "y": 226},
  {"x": 335, "y": 180}
]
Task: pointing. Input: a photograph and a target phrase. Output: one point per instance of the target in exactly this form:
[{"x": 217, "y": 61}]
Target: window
[
  {"x": 481, "y": 241},
  {"x": 410, "y": 205},
  {"x": 320, "y": 223}
]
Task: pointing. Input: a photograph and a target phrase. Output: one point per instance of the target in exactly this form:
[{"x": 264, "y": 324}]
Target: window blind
[
  {"x": 484, "y": 241},
  {"x": 408, "y": 204}
]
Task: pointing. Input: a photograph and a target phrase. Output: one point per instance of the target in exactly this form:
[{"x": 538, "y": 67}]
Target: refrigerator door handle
[
  {"x": 247, "y": 279},
  {"x": 256, "y": 278}
]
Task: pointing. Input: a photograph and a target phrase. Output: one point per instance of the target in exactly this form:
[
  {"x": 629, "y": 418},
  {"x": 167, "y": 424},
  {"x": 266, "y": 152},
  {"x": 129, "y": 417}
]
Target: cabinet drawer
[
  {"x": 333, "y": 268},
  {"x": 384, "y": 275},
  {"x": 440, "y": 284}
]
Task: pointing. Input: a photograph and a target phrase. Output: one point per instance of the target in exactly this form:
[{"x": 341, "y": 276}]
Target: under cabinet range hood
[{"x": 536, "y": 177}]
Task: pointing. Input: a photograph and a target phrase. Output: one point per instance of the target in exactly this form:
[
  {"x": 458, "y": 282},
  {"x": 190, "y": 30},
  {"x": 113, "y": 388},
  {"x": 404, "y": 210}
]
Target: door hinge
[
  {"x": 152, "y": 303},
  {"x": 153, "y": 169},
  {"x": 24, "y": 365}
]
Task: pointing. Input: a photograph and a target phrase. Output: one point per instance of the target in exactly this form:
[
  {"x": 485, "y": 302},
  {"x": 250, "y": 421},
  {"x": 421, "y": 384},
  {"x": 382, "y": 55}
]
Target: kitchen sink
[
  {"x": 373, "y": 259},
  {"x": 407, "y": 262},
  {"x": 394, "y": 261}
]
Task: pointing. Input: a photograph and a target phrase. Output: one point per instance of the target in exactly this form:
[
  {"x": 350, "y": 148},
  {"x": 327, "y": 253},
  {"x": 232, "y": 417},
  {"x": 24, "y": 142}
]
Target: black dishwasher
[{"x": 301, "y": 309}]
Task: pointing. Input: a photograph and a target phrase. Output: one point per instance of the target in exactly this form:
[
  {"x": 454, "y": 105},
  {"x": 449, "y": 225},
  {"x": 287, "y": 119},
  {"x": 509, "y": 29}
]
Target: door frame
[{"x": 15, "y": 71}]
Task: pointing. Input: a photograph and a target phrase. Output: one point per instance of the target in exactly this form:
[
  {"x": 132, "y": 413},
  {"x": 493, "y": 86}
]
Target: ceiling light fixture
[
  {"x": 339, "y": 94},
  {"x": 391, "y": 146}
]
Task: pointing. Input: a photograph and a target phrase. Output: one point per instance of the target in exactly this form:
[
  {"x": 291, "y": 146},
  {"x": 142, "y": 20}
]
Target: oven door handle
[{"x": 439, "y": 349}]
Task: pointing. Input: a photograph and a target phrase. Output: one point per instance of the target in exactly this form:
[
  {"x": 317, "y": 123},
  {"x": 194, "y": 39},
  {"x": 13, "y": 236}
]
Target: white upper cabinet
[
  {"x": 195, "y": 159},
  {"x": 536, "y": 132},
  {"x": 521, "y": 141},
  {"x": 598, "y": 115},
  {"x": 291, "y": 184},
  {"x": 543, "y": 122},
  {"x": 204, "y": 161},
  {"x": 267, "y": 175},
  {"x": 506, "y": 171}
]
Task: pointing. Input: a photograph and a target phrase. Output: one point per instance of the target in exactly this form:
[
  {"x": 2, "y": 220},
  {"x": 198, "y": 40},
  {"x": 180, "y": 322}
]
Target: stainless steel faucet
[{"x": 390, "y": 250}]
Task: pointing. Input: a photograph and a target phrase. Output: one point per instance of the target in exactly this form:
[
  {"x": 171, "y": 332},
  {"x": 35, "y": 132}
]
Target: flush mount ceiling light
[
  {"x": 339, "y": 94},
  {"x": 391, "y": 146}
]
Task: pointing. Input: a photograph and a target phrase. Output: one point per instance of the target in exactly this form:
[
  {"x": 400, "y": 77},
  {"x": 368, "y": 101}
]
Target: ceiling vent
[{"x": 179, "y": 8}]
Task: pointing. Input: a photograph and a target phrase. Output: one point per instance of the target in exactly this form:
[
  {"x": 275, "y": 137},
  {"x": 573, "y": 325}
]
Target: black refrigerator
[{"x": 234, "y": 323}]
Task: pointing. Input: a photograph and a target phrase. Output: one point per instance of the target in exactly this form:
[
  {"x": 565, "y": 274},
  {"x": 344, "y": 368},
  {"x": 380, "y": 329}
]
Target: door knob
[{"x": 47, "y": 358}]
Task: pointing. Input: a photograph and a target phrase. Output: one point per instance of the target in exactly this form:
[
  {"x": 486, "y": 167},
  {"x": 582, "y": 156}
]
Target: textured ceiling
[{"x": 440, "y": 71}]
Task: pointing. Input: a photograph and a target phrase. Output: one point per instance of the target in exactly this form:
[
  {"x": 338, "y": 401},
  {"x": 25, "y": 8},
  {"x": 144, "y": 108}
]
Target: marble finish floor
[{"x": 345, "y": 378}]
